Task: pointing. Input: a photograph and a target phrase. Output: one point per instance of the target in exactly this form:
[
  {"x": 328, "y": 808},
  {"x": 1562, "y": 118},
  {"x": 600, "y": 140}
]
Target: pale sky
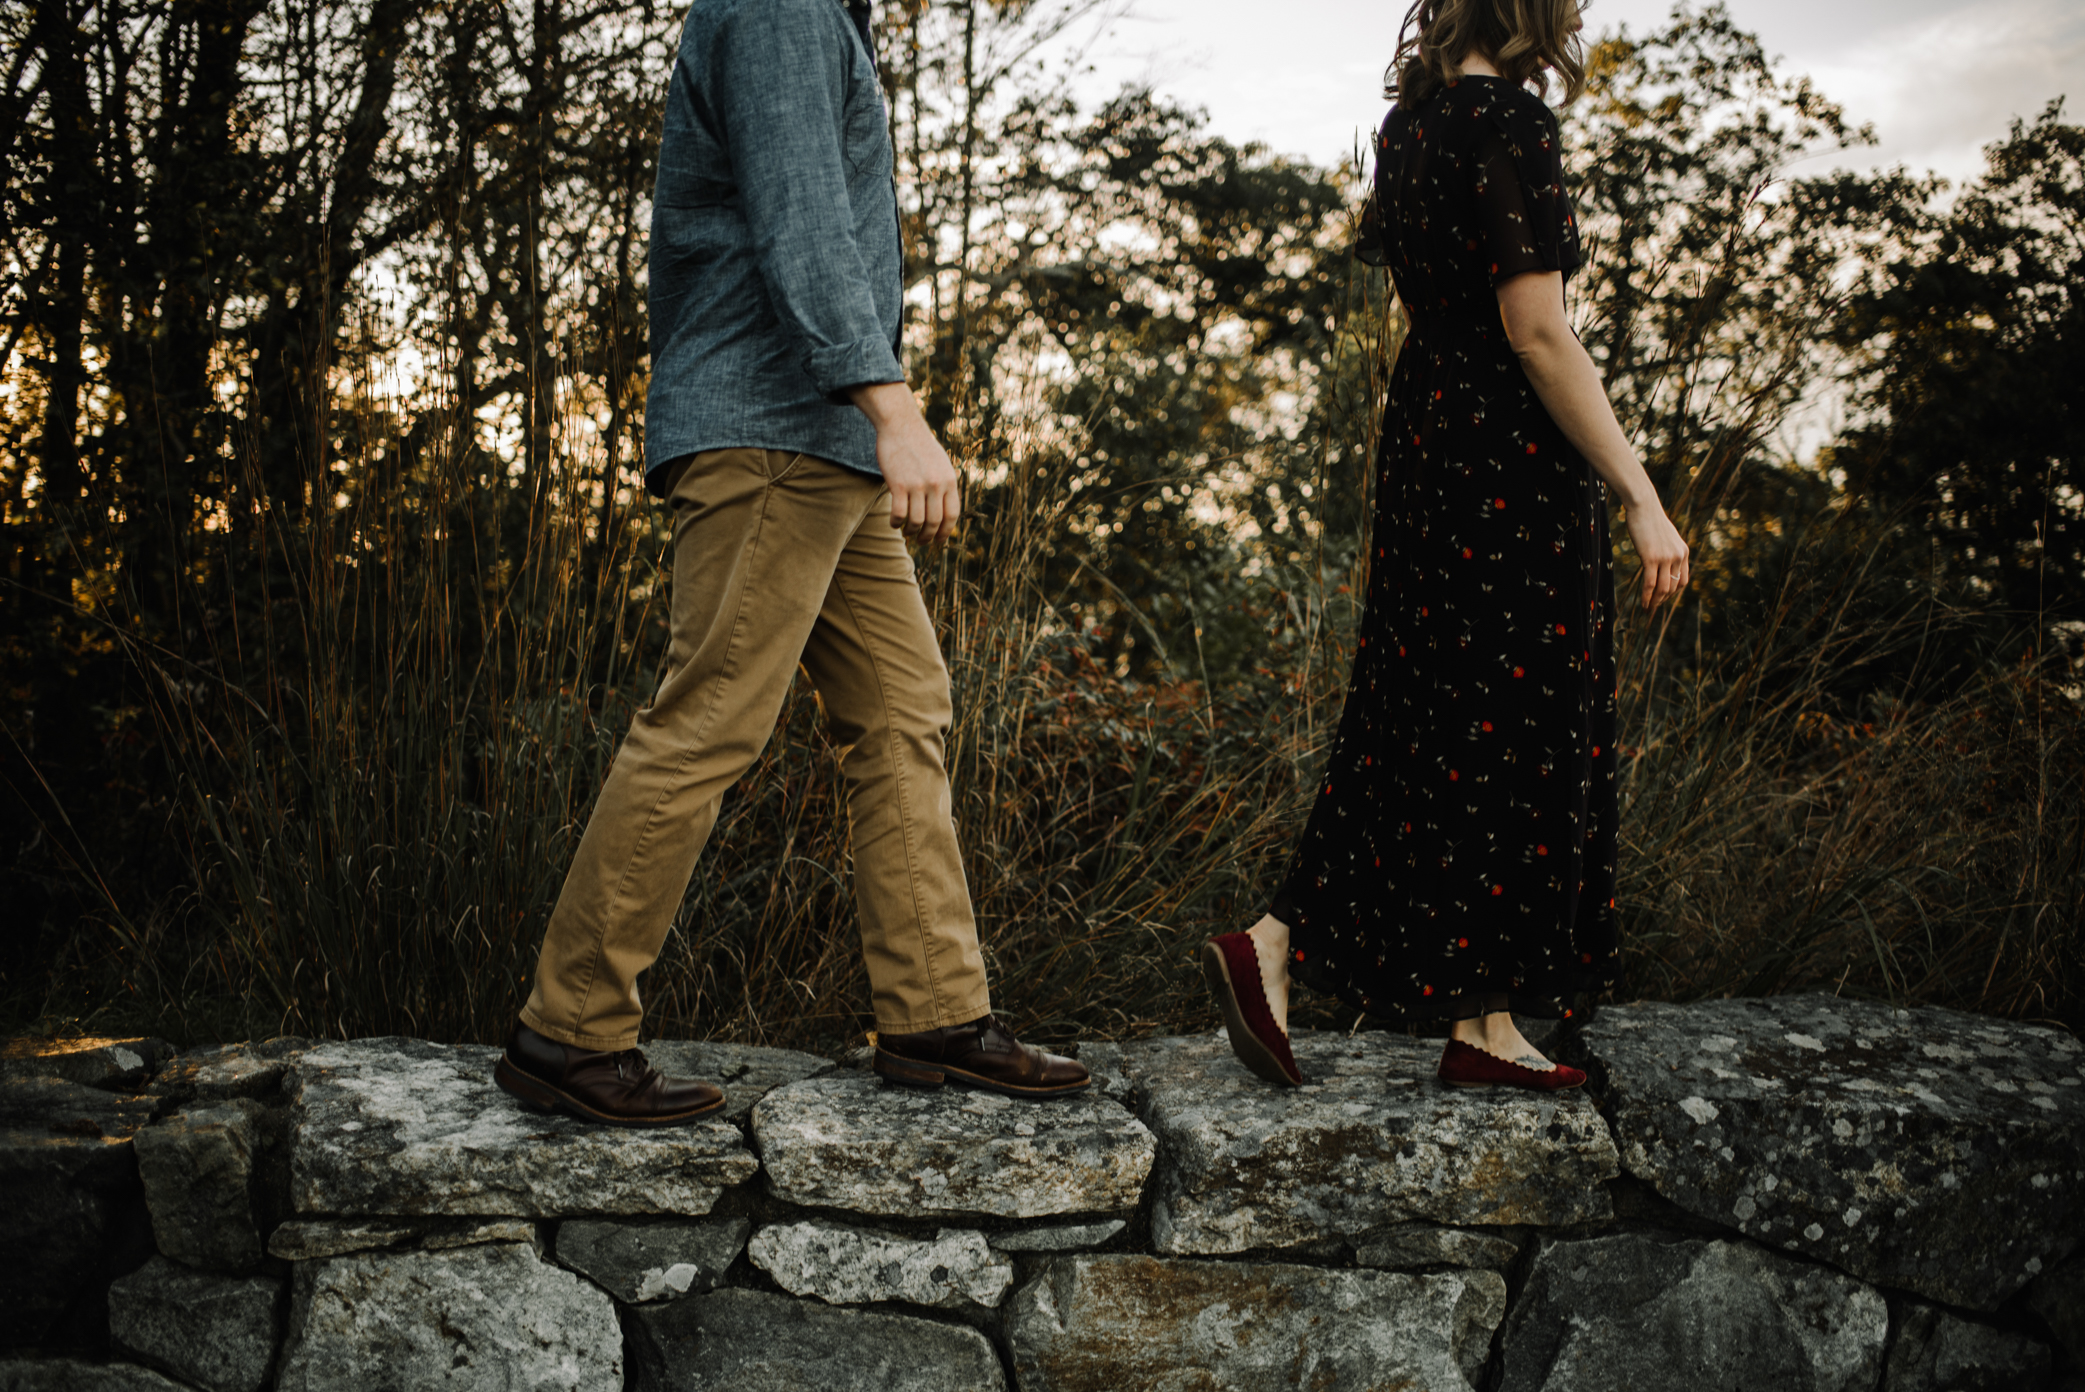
[{"x": 1938, "y": 78}]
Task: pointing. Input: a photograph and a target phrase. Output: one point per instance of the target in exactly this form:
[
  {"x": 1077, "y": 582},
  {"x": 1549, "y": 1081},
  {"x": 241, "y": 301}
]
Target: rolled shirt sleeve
[{"x": 778, "y": 81}]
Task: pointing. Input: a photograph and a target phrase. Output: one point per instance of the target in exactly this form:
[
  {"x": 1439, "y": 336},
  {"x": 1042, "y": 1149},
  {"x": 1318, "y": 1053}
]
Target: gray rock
[
  {"x": 447, "y": 1237},
  {"x": 119, "y": 1065},
  {"x": 1095, "y": 1322},
  {"x": 2058, "y": 1296},
  {"x": 255, "y": 1069},
  {"x": 1934, "y": 1351},
  {"x": 1928, "y": 1150},
  {"x": 1065, "y": 1237},
  {"x": 201, "y": 1182},
  {"x": 1630, "y": 1310},
  {"x": 78, "y": 1375},
  {"x": 1372, "y": 1139},
  {"x": 849, "y": 1266},
  {"x": 1109, "y": 1065},
  {"x": 751, "y": 1341},
  {"x": 661, "y": 1259},
  {"x": 850, "y": 1141},
  {"x": 746, "y": 1072},
  {"x": 215, "y": 1332},
  {"x": 488, "y": 1316},
  {"x": 399, "y": 1126},
  {"x": 72, "y": 1209},
  {"x": 308, "y": 1239},
  {"x": 1411, "y": 1246},
  {"x": 52, "y": 1106}
]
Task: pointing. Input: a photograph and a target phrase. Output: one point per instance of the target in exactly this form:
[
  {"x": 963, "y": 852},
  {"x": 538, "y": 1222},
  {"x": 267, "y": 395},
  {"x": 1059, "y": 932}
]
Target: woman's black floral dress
[{"x": 1463, "y": 841}]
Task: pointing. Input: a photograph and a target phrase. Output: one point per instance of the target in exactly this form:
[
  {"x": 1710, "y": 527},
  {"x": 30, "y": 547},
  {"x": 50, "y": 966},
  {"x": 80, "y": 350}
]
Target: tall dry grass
[{"x": 381, "y": 798}]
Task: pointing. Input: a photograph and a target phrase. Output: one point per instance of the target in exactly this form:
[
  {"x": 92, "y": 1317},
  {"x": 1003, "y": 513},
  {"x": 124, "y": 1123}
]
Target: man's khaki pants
[{"x": 777, "y": 558}]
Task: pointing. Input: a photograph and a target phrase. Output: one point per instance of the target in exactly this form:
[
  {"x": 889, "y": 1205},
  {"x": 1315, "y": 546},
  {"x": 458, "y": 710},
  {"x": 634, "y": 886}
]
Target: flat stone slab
[
  {"x": 43, "y": 1105},
  {"x": 752, "y": 1341},
  {"x": 80, "y": 1375},
  {"x": 447, "y": 1237},
  {"x": 746, "y": 1072},
  {"x": 661, "y": 1259},
  {"x": 214, "y": 1332},
  {"x": 845, "y": 1265},
  {"x": 254, "y": 1069},
  {"x": 491, "y": 1316},
  {"x": 309, "y": 1239},
  {"x": 1131, "y": 1321},
  {"x": 1061, "y": 1237},
  {"x": 1372, "y": 1139},
  {"x": 1937, "y": 1351},
  {"x": 404, "y": 1127},
  {"x": 850, "y": 1141},
  {"x": 119, "y": 1065},
  {"x": 1631, "y": 1310},
  {"x": 1929, "y": 1150},
  {"x": 1411, "y": 1246}
]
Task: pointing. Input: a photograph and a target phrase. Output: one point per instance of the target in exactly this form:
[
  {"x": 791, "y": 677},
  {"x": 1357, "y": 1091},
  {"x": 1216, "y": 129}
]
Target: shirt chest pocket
[{"x": 864, "y": 123}]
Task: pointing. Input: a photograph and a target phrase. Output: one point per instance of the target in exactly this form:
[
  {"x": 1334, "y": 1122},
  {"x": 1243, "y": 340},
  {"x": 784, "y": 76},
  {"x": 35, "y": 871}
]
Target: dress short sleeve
[
  {"x": 1371, "y": 226},
  {"x": 1523, "y": 212}
]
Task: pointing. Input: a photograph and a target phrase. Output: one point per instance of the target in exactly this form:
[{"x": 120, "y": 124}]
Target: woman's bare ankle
[{"x": 1496, "y": 1034}]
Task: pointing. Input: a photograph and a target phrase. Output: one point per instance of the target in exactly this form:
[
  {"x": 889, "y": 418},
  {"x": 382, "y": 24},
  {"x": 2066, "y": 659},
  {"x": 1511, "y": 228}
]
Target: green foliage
[{"x": 1971, "y": 347}]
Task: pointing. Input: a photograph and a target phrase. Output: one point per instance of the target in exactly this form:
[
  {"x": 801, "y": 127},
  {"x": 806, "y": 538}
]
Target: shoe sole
[
  {"x": 538, "y": 1096},
  {"x": 1244, "y": 1043},
  {"x": 913, "y": 1073}
]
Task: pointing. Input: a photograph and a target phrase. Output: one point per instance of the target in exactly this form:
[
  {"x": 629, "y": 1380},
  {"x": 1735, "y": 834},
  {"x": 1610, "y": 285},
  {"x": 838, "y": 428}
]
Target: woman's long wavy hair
[{"x": 1526, "y": 39}]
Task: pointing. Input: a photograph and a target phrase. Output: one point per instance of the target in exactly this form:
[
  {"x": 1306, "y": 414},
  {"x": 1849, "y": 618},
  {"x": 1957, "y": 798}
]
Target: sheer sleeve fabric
[{"x": 1523, "y": 214}]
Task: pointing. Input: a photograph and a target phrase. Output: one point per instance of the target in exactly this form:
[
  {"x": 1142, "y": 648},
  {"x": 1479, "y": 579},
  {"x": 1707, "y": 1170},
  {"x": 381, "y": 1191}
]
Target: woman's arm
[{"x": 1564, "y": 378}]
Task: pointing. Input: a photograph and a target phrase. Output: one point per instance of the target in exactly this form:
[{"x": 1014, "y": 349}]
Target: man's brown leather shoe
[
  {"x": 618, "y": 1088},
  {"x": 983, "y": 1053}
]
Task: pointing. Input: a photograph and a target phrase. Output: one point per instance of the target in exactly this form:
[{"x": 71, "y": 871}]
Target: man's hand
[{"x": 924, "y": 500}]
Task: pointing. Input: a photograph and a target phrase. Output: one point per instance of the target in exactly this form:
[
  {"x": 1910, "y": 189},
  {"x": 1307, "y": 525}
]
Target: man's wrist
[{"x": 884, "y": 403}]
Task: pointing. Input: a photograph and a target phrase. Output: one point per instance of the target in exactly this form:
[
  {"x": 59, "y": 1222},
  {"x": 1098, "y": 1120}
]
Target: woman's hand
[{"x": 1661, "y": 549}]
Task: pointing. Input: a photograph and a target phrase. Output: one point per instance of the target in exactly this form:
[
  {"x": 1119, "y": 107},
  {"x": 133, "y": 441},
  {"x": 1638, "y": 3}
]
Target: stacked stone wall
[{"x": 1793, "y": 1193}]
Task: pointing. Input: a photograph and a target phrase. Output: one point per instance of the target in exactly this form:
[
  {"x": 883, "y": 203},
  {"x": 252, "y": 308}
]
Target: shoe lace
[{"x": 625, "y": 1058}]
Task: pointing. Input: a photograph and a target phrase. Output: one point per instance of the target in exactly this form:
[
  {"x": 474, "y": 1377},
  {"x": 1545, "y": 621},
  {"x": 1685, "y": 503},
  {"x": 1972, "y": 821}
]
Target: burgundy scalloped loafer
[
  {"x": 614, "y": 1088},
  {"x": 982, "y": 1053},
  {"x": 1466, "y": 1065},
  {"x": 1232, "y": 966}
]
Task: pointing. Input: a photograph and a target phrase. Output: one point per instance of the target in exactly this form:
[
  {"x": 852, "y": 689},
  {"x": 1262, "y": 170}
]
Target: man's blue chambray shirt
[{"x": 775, "y": 272}]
